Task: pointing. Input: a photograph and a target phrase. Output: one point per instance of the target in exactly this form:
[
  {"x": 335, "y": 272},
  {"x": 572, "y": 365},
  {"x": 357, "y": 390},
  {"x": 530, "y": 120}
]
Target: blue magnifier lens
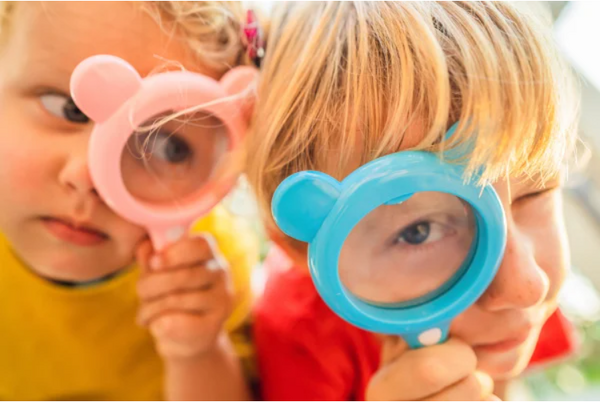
[
  {"x": 401, "y": 246},
  {"x": 407, "y": 253}
]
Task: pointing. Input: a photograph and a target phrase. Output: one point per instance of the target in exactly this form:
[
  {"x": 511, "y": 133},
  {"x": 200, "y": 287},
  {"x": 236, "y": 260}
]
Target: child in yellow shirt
[{"x": 74, "y": 276}]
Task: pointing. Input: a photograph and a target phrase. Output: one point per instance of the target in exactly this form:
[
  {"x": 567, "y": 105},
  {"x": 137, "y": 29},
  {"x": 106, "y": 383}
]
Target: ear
[
  {"x": 302, "y": 202},
  {"x": 101, "y": 84}
]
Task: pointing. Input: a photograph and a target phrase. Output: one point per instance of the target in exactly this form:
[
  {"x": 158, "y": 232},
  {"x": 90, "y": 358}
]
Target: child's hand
[
  {"x": 185, "y": 297},
  {"x": 445, "y": 372}
]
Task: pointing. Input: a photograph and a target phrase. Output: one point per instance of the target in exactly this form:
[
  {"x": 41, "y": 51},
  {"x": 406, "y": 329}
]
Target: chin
[
  {"x": 71, "y": 268},
  {"x": 507, "y": 365},
  {"x": 70, "y": 274}
]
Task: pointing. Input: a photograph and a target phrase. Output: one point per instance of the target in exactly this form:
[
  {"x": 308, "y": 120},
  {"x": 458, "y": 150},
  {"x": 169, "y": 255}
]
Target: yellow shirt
[{"x": 62, "y": 343}]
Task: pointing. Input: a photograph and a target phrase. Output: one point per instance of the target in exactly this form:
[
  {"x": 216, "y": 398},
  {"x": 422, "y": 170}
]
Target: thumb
[{"x": 392, "y": 347}]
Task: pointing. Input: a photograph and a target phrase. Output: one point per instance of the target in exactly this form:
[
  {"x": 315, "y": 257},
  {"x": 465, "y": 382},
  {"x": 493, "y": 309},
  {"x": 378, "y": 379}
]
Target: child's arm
[
  {"x": 215, "y": 376},
  {"x": 185, "y": 302}
]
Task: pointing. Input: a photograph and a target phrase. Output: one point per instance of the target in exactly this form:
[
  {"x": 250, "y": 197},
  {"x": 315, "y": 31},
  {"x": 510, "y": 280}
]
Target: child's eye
[
  {"x": 421, "y": 232},
  {"x": 165, "y": 146},
  {"x": 172, "y": 149},
  {"x": 537, "y": 194},
  {"x": 63, "y": 107}
]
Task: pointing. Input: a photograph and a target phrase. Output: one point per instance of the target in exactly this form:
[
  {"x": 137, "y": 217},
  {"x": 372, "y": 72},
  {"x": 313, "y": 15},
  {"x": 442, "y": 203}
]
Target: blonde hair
[
  {"x": 211, "y": 29},
  {"x": 342, "y": 82}
]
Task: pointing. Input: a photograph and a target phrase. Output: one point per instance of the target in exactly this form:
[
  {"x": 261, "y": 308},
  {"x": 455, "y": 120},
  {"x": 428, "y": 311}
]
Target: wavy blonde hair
[{"x": 346, "y": 82}]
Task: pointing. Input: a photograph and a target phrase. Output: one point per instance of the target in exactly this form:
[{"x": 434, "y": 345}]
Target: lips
[{"x": 71, "y": 231}]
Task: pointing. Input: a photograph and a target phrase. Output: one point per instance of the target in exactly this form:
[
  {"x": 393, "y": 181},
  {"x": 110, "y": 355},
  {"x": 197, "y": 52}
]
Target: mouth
[
  {"x": 74, "y": 232},
  {"x": 509, "y": 343}
]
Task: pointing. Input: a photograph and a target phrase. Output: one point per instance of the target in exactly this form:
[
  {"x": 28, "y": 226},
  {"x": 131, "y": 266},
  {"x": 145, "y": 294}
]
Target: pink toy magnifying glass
[{"x": 162, "y": 174}]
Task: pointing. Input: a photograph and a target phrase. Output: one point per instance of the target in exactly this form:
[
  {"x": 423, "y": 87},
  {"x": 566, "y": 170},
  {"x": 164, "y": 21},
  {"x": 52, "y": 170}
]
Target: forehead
[{"x": 56, "y": 36}]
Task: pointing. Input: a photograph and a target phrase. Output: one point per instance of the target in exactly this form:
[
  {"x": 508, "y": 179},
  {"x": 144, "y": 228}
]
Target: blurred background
[{"x": 577, "y": 378}]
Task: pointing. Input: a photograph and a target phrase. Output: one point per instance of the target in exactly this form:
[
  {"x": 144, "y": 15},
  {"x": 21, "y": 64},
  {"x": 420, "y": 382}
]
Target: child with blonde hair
[
  {"x": 344, "y": 83},
  {"x": 74, "y": 276}
]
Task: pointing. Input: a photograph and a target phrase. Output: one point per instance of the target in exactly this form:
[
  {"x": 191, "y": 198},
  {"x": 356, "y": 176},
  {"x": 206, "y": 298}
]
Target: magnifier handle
[
  {"x": 430, "y": 337},
  {"x": 162, "y": 238}
]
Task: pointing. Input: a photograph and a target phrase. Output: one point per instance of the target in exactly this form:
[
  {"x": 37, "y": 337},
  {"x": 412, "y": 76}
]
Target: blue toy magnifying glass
[{"x": 401, "y": 246}]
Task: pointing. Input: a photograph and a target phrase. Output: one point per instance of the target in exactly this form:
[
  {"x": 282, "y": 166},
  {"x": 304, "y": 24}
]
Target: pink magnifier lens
[{"x": 171, "y": 157}]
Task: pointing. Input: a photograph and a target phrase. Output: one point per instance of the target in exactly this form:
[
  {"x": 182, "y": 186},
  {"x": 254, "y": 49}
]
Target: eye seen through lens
[
  {"x": 165, "y": 161},
  {"x": 408, "y": 252}
]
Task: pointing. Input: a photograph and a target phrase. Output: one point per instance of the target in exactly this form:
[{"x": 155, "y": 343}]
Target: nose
[
  {"x": 520, "y": 282},
  {"x": 75, "y": 175}
]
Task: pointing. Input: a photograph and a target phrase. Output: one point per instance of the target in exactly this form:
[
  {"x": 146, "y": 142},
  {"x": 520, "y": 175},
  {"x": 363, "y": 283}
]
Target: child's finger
[
  {"x": 187, "y": 252},
  {"x": 179, "y": 327},
  {"x": 191, "y": 302},
  {"x": 476, "y": 387},
  {"x": 419, "y": 373},
  {"x": 143, "y": 253},
  {"x": 161, "y": 283}
]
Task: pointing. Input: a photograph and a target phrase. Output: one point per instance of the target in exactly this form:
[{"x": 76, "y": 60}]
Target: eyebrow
[
  {"x": 49, "y": 65},
  {"x": 45, "y": 65}
]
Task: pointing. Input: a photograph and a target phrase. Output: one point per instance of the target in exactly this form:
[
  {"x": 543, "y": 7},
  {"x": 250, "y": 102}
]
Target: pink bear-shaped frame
[{"x": 112, "y": 93}]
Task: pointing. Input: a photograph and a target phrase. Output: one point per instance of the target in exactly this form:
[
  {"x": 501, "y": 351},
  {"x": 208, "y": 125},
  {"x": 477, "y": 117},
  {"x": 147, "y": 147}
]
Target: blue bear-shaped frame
[{"x": 315, "y": 208}]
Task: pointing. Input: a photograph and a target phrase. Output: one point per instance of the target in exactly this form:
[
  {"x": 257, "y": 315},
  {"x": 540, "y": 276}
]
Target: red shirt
[{"x": 306, "y": 352}]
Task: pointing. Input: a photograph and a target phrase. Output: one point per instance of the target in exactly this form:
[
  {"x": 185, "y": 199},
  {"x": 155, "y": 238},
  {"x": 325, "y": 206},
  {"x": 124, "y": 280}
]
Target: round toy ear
[
  {"x": 238, "y": 79},
  {"x": 459, "y": 151},
  {"x": 451, "y": 130},
  {"x": 302, "y": 202},
  {"x": 101, "y": 84}
]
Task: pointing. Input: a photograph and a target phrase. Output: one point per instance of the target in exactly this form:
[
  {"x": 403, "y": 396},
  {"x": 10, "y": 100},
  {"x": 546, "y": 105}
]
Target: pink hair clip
[{"x": 254, "y": 38}]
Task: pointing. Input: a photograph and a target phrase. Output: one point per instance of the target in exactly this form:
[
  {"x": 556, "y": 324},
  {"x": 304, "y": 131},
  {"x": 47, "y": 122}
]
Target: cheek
[
  {"x": 26, "y": 150},
  {"x": 23, "y": 171},
  {"x": 126, "y": 234},
  {"x": 25, "y": 166},
  {"x": 548, "y": 233}
]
